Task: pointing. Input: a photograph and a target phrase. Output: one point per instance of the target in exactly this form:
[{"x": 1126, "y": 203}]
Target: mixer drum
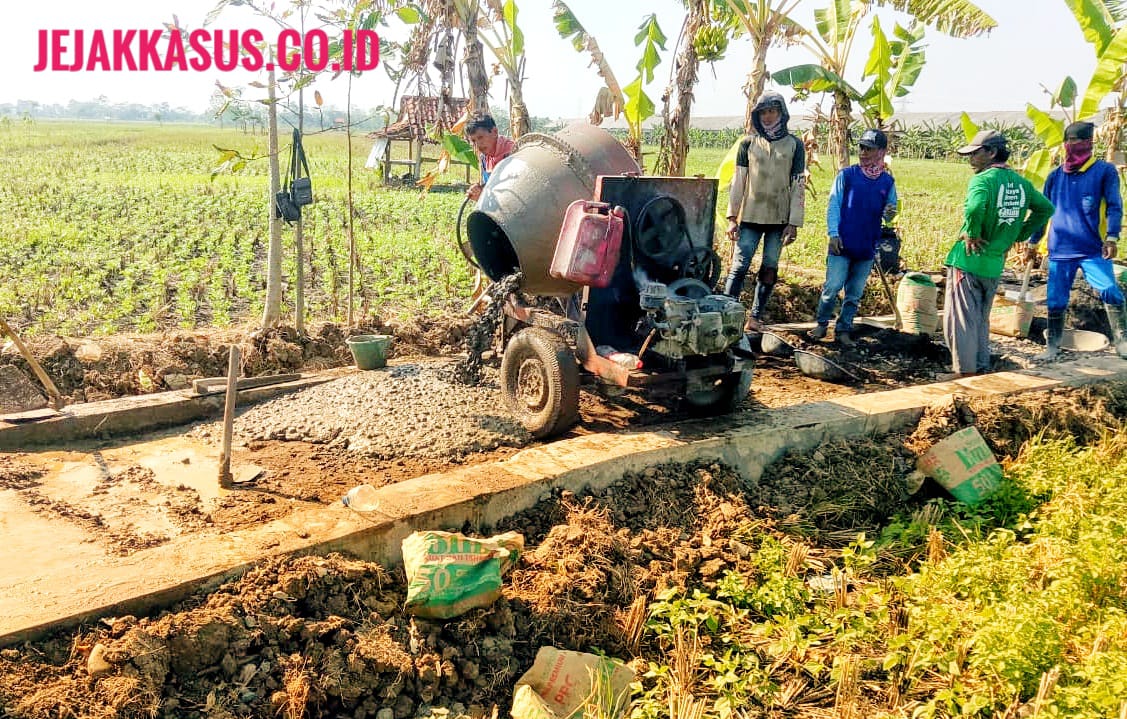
[{"x": 517, "y": 219}]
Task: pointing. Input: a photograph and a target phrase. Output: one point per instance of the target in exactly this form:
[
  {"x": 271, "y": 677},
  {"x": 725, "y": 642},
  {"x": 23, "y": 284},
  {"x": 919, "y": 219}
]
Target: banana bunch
[{"x": 710, "y": 43}]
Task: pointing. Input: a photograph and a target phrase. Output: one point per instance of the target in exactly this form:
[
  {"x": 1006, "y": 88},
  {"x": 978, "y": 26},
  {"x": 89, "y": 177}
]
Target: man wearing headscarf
[
  {"x": 766, "y": 202},
  {"x": 1083, "y": 234},
  {"x": 861, "y": 197}
]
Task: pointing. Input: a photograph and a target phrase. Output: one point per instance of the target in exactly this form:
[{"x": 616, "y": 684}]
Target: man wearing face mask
[
  {"x": 1083, "y": 234},
  {"x": 766, "y": 202}
]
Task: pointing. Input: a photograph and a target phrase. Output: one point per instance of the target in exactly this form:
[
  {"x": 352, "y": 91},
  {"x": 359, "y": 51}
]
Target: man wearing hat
[
  {"x": 1001, "y": 208},
  {"x": 861, "y": 197},
  {"x": 1083, "y": 234}
]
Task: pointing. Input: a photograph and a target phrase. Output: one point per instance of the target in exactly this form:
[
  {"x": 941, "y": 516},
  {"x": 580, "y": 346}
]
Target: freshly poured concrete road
[{"x": 52, "y": 578}]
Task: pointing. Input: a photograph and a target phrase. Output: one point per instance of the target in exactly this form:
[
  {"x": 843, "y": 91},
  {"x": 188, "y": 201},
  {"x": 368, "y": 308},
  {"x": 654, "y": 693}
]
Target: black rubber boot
[
  {"x": 762, "y": 296},
  {"x": 1116, "y": 317},
  {"x": 1052, "y": 338}
]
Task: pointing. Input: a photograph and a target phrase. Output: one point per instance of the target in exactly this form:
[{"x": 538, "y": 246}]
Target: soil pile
[{"x": 326, "y": 637}]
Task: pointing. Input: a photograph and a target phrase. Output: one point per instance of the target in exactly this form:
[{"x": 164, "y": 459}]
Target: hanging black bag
[{"x": 302, "y": 188}]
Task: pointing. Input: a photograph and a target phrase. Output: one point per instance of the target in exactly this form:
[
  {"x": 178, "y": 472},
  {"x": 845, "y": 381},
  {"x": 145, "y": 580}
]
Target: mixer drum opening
[{"x": 491, "y": 247}]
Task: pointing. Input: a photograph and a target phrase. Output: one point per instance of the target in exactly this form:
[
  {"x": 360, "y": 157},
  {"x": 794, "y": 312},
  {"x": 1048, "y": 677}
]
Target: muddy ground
[
  {"x": 410, "y": 420},
  {"x": 326, "y": 636}
]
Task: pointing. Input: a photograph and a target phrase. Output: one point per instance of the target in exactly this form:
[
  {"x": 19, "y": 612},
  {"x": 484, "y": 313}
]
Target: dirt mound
[
  {"x": 97, "y": 368},
  {"x": 326, "y": 636}
]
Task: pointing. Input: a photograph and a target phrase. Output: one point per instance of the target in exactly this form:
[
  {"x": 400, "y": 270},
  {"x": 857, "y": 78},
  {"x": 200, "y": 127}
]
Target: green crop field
[{"x": 110, "y": 227}]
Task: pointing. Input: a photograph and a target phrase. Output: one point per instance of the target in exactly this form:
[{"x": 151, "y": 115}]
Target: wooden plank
[{"x": 216, "y": 385}]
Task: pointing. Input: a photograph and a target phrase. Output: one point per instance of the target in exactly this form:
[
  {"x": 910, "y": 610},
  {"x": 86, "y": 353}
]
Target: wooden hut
[{"x": 415, "y": 113}]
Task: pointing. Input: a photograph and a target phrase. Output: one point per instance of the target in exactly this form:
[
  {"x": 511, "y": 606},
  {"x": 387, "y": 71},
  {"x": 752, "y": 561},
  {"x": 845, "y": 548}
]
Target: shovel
[
  {"x": 888, "y": 294},
  {"x": 1023, "y": 294},
  {"x": 57, "y": 400}
]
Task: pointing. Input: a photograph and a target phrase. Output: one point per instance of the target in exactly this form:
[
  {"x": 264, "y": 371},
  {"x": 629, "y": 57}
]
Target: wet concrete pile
[{"x": 411, "y": 410}]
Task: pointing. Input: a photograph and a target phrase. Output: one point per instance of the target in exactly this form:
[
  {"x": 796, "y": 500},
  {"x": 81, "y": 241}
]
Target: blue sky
[{"x": 1037, "y": 42}]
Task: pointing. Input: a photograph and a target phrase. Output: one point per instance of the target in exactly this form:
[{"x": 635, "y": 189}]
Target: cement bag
[
  {"x": 562, "y": 683},
  {"x": 916, "y": 298},
  {"x": 964, "y": 465},
  {"x": 1010, "y": 317},
  {"x": 448, "y": 573}
]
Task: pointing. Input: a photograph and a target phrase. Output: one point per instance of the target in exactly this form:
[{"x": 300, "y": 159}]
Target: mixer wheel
[{"x": 540, "y": 381}]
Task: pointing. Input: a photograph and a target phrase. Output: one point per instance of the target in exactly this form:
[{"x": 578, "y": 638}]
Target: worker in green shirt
[{"x": 1001, "y": 208}]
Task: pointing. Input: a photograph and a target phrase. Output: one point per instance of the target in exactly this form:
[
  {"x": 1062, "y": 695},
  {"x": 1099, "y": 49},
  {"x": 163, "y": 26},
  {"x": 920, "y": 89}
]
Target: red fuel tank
[{"x": 589, "y": 243}]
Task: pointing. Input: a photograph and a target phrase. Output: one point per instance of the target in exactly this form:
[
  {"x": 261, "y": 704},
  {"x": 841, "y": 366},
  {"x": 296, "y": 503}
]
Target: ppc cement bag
[
  {"x": 561, "y": 684},
  {"x": 448, "y": 573},
  {"x": 964, "y": 465}
]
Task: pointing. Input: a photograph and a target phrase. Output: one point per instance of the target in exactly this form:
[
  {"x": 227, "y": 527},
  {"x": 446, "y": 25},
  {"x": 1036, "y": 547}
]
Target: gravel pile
[{"x": 407, "y": 411}]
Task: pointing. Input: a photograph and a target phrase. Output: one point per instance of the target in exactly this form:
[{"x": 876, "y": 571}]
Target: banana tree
[
  {"x": 1104, "y": 24},
  {"x": 636, "y": 105},
  {"x": 835, "y": 31},
  {"x": 766, "y": 23},
  {"x": 1049, "y": 129},
  {"x": 894, "y": 67},
  {"x": 507, "y": 45},
  {"x": 699, "y": 38}
]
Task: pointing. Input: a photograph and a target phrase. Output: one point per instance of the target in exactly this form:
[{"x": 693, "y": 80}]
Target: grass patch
[
  {"x": 1017, "y": 607},
  {"x": 140, "y": 237}
]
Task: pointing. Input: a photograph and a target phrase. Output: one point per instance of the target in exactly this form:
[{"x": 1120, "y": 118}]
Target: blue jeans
[
  {"x": 847, "y": 274},
  {"x": 772, "y": 237},
  {"x": 1097, "y": 271}
]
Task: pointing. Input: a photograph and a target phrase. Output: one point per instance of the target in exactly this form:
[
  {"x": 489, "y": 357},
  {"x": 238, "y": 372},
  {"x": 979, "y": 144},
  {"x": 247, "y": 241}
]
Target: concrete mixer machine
[{"x": 620, "y": 269}]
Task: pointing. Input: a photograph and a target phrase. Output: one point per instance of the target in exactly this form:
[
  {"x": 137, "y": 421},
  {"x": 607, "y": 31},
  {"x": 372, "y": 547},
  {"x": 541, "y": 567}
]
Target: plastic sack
[{"x": 449, "y": 574}]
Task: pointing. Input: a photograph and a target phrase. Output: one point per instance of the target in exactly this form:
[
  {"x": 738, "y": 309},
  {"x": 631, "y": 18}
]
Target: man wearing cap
[
  {"x": 1001, "y": 208},
  {"x": 766, "y": 202},
  {"x": 1083, "y": 234},
  {"x": 861, "y": 197}
]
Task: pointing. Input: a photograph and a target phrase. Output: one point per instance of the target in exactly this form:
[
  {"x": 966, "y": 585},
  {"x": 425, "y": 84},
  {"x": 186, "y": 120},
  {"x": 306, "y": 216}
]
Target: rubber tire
[
  {"x": 538, "y": 356},
  {"x": 721, "y": 400}
]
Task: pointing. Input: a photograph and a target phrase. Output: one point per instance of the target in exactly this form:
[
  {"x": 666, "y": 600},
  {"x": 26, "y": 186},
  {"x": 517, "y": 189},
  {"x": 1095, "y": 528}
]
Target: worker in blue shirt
[
  {"x": 861, "y": 197},
  {"x": 1083, "y": 234}
]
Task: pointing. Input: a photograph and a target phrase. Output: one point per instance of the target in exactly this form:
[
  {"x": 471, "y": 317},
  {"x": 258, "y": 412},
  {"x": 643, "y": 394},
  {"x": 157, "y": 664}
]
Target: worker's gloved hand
[
  {"x": 474, "y": 191},
  {"x": 835, "y": 245},
  {"x": 790, "y": 234}
]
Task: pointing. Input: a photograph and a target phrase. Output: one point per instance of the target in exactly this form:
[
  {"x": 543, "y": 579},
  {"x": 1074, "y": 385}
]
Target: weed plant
[{"x": 1017, "y": 607}]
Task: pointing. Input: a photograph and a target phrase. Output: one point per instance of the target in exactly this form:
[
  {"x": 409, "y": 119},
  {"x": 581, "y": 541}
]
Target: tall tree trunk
[
  {"x": 756, "y": 79},
  {"x": 518, "y": 112},
  {"x": 840, "y": 119},
  {"x": 474, "y": 60},
  {"x": 299, "y": 240},
  {"x": 272, "y": 312},
  {"x": 349, "y": 227},
  {"x": 675, "y": 139},
  {"x": 1113, "y": 127}
]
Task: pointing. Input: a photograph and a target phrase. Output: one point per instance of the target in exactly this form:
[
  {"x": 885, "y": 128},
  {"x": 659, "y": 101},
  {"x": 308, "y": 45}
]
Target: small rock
[
  {"x": 177, "y": 381},
  {"x": 88, "y": 352},
  {"x": 385, "y": 713},
  {"x": 96, "y": 663}
]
